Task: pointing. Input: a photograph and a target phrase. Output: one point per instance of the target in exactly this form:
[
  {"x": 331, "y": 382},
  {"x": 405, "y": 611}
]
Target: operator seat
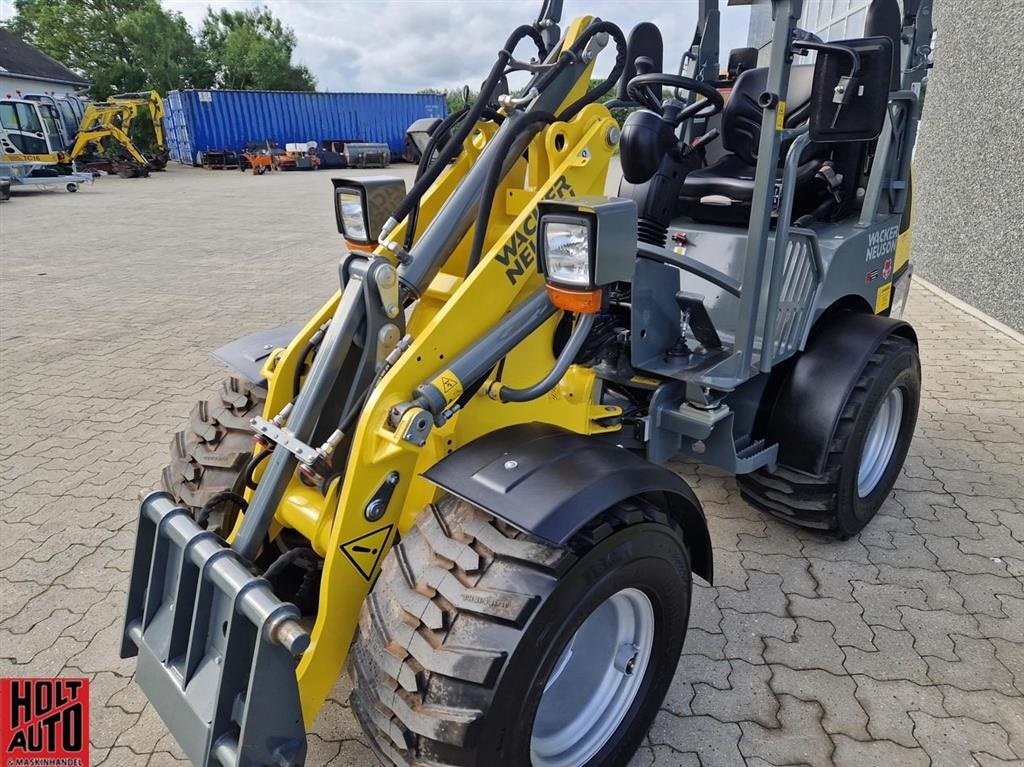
[{"x": 723, "y": 191}]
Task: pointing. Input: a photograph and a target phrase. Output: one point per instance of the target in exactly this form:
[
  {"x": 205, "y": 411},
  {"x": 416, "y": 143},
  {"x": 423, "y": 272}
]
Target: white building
[
  {"x": 27, "y": 69},
  {"x": 828, "y": 19}
]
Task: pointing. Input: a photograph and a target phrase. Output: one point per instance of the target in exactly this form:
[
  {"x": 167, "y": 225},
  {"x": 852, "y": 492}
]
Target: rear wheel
[
  {"x": 865, "y": 456},
  {"x": 482, "y": 646},
  {"x": 210, "y": 454}
]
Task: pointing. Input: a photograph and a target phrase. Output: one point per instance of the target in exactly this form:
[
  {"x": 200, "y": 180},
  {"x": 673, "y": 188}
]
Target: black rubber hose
[
  {"x": 435, "y": 138},
  {"x": 448, "y": 152},
  {"x": 565, "y": 359},
  {"x": 250, "y": 468},
  {"x": 203, "y": 517},
  {"x": 608, "y": 83},
  {"x": 494, "y": 176},
  {"x": 279, "y": 564},
  {"x": 300, "y": 368},
  {"x": 314, "y": 341}
]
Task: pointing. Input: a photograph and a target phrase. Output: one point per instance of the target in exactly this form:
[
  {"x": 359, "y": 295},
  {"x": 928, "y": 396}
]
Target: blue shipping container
[{"x": 196, "y": 121}]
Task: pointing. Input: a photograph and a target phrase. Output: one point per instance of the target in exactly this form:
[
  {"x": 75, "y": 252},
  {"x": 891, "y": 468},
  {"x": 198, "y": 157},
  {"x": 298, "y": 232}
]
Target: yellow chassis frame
[{"x": 566, "y": 159}]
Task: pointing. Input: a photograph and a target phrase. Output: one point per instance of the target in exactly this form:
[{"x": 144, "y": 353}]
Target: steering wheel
[{"x": 639, "y": 90}]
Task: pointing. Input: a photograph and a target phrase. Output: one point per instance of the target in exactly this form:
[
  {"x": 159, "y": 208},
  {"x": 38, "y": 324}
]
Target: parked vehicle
[{"x": 457, "y": 487}]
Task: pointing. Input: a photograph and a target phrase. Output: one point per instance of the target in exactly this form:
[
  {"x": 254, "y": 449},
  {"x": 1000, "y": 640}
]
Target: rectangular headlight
[
  {"x": 567, "y": 251},
  {"x": 362, "y": 205},
  {"x": 587, "y": 242},
  {"x": 352, "y": 215}
]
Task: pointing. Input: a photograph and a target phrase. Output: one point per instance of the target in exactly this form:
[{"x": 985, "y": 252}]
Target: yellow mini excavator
[{"x": 113, "y": 119}]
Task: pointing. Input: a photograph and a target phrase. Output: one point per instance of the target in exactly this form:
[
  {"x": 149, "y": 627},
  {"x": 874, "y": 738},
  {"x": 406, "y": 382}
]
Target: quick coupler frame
[{"x": 216, "y": 649}]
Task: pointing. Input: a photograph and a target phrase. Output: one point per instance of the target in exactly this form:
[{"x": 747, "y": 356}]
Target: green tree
[
  {"x": 251, "y": 49},
  {"x": 165, "y": 50},
  {"x": 119, "y": 45}
]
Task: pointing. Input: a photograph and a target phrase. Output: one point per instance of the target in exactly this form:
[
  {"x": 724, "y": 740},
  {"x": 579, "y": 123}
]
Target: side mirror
[{"x": 850, "y": 94}]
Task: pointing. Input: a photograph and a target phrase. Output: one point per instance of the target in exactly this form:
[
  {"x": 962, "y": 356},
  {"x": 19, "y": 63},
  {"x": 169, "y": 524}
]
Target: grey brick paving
[{"x": 902, "y": 646}]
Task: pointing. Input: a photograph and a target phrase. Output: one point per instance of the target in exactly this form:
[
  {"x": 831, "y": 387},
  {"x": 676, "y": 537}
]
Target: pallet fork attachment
[{"x": 211, "y": 639}]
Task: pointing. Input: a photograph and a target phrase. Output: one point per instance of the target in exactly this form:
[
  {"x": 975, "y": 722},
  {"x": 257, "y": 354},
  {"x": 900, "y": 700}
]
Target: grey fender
[
  {"x": 811, "y": 401},
  {"x": 550, "y": 482},
  {"x": 246, "y": 355}
]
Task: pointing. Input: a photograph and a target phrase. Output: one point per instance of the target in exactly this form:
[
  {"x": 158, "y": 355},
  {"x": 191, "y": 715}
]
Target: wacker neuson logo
[{"x": 44, "y": 722}]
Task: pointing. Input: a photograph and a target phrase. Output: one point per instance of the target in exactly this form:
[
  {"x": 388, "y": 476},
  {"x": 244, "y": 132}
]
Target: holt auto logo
[{"x": 44, "y": 722}]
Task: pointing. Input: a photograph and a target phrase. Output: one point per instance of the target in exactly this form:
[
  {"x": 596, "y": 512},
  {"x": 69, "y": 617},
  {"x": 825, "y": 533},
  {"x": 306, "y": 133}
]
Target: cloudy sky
[{"x": 405, "y": 45}]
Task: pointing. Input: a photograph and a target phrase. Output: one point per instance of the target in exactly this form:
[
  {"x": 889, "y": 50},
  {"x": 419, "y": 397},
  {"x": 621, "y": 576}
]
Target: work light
[
  {"x": 353, "y": 215},
  {"x": 584, "y": 244},
  {"x": 567, "y": 250},
  {"x": 362, "y": 205}
]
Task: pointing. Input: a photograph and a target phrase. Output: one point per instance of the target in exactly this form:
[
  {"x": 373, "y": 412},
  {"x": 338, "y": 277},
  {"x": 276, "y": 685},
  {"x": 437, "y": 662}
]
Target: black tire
[
  {"x": 831, "y": 502},
  {"x": 469, "y": 616},
  {"x": 209, "y": 455}
]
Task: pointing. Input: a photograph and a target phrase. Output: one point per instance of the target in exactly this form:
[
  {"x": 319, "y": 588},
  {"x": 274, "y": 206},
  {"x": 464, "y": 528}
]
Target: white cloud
[{"x": 406, "y": 45}]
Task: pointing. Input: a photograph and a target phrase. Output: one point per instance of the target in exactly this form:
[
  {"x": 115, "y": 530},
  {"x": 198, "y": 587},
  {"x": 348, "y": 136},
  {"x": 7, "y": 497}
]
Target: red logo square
[{"x": 44, "y": 722}]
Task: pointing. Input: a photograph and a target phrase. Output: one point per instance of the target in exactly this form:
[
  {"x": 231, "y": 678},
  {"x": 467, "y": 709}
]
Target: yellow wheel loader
[{"x": 449, "y": 480}]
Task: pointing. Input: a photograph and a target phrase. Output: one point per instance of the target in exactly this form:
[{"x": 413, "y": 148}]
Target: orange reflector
[
  {"x": 360, "y": 247},
  {"x": 577, "y": 301}
]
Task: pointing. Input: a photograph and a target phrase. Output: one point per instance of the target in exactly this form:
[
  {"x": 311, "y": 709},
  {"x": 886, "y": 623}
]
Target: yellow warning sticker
[
  {"x": 780, "y": 116},
  {"x": 365, "y": 551},
  {"x": 883, "y": 297},
  {"x": 449, "y": 385}
]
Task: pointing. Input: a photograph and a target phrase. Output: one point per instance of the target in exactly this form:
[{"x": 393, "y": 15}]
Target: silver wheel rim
[
  {"x": 880, "y": 443},
  {"x": 594, "y": 682}
]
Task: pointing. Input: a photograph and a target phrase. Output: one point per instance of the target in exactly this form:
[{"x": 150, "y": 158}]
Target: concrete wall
[
  {"x": 969, "y": 164},
  {"x": 9, "y": 84},
  {"x": 969, "y": 232}
]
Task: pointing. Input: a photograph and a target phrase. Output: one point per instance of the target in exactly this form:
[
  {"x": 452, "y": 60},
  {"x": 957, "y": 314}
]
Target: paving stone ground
[{"x": 902, "y": 646}]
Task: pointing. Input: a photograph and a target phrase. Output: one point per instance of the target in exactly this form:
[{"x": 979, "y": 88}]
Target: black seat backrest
[
  {"x": 883, "y": 20},
  {"x": 741, "y": 118}
]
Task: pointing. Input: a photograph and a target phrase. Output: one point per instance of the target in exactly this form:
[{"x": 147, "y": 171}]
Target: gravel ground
[{"x": 902, "y": 646}]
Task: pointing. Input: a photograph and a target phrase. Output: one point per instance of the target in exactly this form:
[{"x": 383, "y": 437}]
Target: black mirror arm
[
  {"x": 803, "y": 46},
  {"x": 847, "y": 86}
]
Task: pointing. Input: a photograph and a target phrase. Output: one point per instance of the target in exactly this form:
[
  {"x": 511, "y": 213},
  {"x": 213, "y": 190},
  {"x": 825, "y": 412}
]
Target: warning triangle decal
[{"x": 365, "y": 552}]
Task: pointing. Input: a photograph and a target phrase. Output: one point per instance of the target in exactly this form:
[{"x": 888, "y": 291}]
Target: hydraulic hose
[
  {"x": 494, "y": 176},
  {"x": 565, "y": 359},
  {"x": 455, "y": 144},
  {"x": 608, "y": 83},
  {"x": 425, "y": 160},
  {"x": 435, "y": 138},
  {"x": 313, "y": 343}
]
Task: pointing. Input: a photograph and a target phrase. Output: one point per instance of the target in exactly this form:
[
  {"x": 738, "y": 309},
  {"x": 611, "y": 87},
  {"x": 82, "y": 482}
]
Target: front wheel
[
  {"x": 480, "y": 645},
  {"x": 865, "y": 456}
]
